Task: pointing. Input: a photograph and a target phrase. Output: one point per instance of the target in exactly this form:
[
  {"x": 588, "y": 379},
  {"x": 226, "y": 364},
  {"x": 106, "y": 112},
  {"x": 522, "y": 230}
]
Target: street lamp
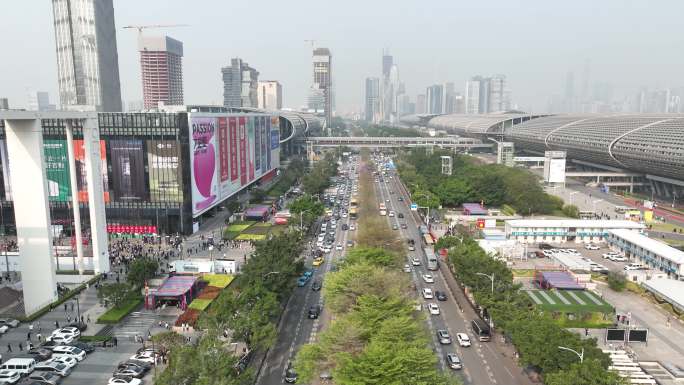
[
  {"x": 580, "y": 355},
  {"x": 301, "y": 220},
  {"x": 491, "y": 278}
]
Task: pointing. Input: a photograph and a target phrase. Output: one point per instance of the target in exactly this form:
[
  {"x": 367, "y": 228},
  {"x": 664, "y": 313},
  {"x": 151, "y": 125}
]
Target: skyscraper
[
  {"x": 240, "y": 84},
  {"x": 40, "y": 101},
  {"x": 420, "y": 104},
  {"x": 87, "y": 58},
  {"x": 4, "y": 104},
  {"x": 322, "y": 79},
  {"x": 372, "y": 100},
  {"x": 435, "y": 98},
  {"x": 161, "y": 64},
  {"x": 388, "y": 85},
  {"x": 487, "y": 94},
  {"x": 270, "y": 95}
]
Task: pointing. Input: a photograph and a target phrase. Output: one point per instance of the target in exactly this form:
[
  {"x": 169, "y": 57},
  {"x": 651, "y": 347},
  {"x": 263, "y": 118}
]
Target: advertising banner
[
  {"x": 163, "y": 163},
  {"x": 128, "y": 170},
  {"x": 81, "y": 170},
  {"x": 223, "y": 148},
  {"x": 203, "y": 158},
  {"x": 232, "y": 124},
  {"x": 57, "y": 170},
  {"x": 250, "y": 147},
  {"x": 265, "y": 128},
  {"x": 257, "y": 145},
  {"x": 4, "y": 158},
  {"x": 243, "y": 149}
]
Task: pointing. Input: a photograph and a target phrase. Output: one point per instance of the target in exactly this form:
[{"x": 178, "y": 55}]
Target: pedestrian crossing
[{"x": 137, "y": 323}]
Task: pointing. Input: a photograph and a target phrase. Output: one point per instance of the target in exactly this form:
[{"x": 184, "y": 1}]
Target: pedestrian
[
  {"x": 65, "y": 308},
  {"x": 57, "y": 324},
  {"x": 40, "y": 337},
  {"x": 28, "y": 336},
  {"x": 114, "y": 340},
  {"x": 88, "y": 318},
  {"x": 9, "y": 348},
  {"x": 21, "y": 348},
  {"x": 31, "y": 327}
]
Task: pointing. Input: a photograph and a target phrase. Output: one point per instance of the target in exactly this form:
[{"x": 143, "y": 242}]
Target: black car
[
  {"x": 400, "y": 215},
  {"x": 86, "y": 347},
  {"x": 144, "y": 366},
  {"x": 314, "y": 311},
  {"x": 400, "y": 199},
  {"x": 345, "y": 227},
  {"x": 40, "y": 354},
  {"x": 440, "y": 295},
  {"x": 290, "y": 376},
  {"x": 49, "y": 345},
  {"x": 316, "y": 286},
  {"x": 403, "y": 226}
]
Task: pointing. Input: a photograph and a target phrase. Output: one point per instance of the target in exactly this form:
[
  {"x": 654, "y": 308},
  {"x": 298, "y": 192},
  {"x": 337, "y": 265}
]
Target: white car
[
  {"x": 124, "y": 380},
  {"x": 591, "y": 246},
  {"x": 407, "y": 268},
  {"x": 3, "y": 330},
  {"x": 609, "y": 255},
  {"x": 144, "y": 356},
  {"x": 9, "y": 377},
  {"x": 391, "y": 213},
  {"x": 344, "y": 214},
  {"x": 428, "y": 278},
  {"x": 69, "y": 351},
  {"x": 415, "y": 261},
  {"x": 463, "y": 339},
  {"x": 618, "y": 258},
  {"x": 326, "y": 249},
  {"x": 338, "y": 247},
  {"x": 333, "y": 226},
  {"x": 61, "y": 339},
  {"x": 427, "y": 293},
  {"x": 433, "y": 308},
  {"x": 635, "y": 266},
  {"x": 73, "y": 331},
  {"x": 352, "y": 227},
  {"x": 70, "y": 362}
]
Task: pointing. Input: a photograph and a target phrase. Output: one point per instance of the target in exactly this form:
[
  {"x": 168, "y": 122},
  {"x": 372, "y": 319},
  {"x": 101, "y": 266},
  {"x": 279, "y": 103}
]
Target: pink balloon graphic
[{"x": 204, "y": 165}]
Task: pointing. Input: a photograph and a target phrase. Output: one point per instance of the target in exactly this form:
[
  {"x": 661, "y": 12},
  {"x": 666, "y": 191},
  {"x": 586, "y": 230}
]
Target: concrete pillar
[
  {"x": 98, "y": 221},
  {"x": 74, "y": 195},
  {"x": 31, "y": 212}
]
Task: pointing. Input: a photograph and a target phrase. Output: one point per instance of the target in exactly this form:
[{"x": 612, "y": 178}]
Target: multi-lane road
[{"x": 483, "y": 363}]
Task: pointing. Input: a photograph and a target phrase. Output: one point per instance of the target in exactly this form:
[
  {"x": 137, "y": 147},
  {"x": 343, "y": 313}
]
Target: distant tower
[
  {"x": 372, "y": 100},
  {"x": 240, "y": 83},
  {"x": 270, "y": 95},
  {"x": 322, "y": 79},
  {"x": 87, "y": 58},
  {"x": 161, "y": 62}
]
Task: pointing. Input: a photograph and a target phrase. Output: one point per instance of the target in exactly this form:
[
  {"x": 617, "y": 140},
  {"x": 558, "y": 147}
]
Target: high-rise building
[
  {"x": 161, "y": 64},
  {"x": 240, "y": 83},
  {"x": 87, "y": 58},
  {"x": 40, "y": 101},
  {"x": 4, "y": 104},
  {"x": 435, "y": 98},
  {"x": 420, "y": 104},
  {"x": 487, "y": 94},
  {"x": 270, "y": 95},
  {"x": 388, "y": 88},
  {"x": 372, "y": 100},
  {"x": 322, "y": 79}
]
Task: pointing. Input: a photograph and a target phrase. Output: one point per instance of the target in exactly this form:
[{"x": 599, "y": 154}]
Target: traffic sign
[{"x": 414, "y": 206}]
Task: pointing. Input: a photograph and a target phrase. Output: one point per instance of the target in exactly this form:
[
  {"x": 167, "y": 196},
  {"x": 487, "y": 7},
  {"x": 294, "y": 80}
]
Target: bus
[
  {"x": 353, "y": 203},
  {"x": 428, "y": 239},
  {"x": 432, "y": 263},
  {"x": 352, "y": 213},
  {"x": 481, "y": 330}
]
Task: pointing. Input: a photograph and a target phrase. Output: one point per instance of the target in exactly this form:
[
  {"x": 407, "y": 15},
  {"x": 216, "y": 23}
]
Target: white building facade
[
  {"x": 565, "y": 230},
  {"x": 652, "y": 253}
]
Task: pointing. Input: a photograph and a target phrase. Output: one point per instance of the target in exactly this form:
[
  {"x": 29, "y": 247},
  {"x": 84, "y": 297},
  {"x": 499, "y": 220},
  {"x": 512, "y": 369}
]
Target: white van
[
  {"x": 635, "y": 266},
  {"x": 23, "y": 366},
  {"x": 69, "y": 351}
]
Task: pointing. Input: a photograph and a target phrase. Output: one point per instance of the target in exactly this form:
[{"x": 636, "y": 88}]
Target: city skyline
[{"x": 535, "y": 68}]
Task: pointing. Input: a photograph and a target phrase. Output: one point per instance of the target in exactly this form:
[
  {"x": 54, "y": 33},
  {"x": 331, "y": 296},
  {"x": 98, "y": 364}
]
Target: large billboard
[
  {"x": 81, "y": 170},
  {"x": 57, "y": 170},
  {"x": 128, "y": 170},
  {"x": 163, "y": 163},
  {"x": 229, "y": 152},
  {"x": 204, "y": 178}
]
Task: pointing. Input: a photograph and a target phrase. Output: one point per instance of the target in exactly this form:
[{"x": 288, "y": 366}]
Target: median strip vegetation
[
  {"x": 535, "y": 334},
  {"x": 377, "y": 336}
]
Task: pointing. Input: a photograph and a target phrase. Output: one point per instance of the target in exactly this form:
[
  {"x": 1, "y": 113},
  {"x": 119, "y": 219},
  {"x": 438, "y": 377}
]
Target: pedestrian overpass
[{"x": 390, "y": 142}]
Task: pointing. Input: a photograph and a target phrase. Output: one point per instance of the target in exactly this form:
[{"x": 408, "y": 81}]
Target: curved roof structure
[
  {"x": 648, "y": 143},
  {"x": 479, "y": 124},
  {"x": 298, "y": 123}
]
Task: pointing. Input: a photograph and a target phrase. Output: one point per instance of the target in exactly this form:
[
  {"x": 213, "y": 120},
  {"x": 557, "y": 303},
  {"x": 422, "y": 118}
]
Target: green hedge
[
  {"x": 44, "y": 310},
  {"x": 116, "y": 314}
]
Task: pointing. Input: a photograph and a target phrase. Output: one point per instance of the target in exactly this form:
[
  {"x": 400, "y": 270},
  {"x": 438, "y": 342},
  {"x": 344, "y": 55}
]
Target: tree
[
  {"x": 571, "y": 211},
  {"x": 140, "y": 270},
  {"x": 616, "y": 281},
  {"x": 447, "y": 242},
  {"x": 258, "y": 195},
  {"x": 115, "y": 294},
  {"x": 373, "y": 256},
  {"x": 453, "y": 192},
  {"x": 590, "y": 372},
  {"x": 425, "y": 198}
]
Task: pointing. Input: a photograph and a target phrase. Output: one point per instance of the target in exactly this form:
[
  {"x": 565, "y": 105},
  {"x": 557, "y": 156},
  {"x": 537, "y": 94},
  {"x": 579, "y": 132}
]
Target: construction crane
[{"x": 141, "y": 27}]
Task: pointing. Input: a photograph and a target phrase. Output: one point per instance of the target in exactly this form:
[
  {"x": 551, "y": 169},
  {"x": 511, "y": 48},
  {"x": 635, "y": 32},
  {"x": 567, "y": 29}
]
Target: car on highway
[
  {"x": 440, "y": 295},
  {"x": 314, "y": 311},
  {"x": 338, "y": 247},
  {"x": 415, "y": 261},
  {"x": 317, "y": 261},
  {"x": 391, "y": 213},
  {"x": 463, "y": 339},
  {"x": 345, "y": 227},
  {"x": 395, "y": 227},
  {"x": 290, "y": 375},
  {"x": 635, "y": 266},
  {"x": 403, "y": 226},
  {"x": 302, "y": 281},
  {"x": 327, "y": 248},
  {"x": 3, "y": 329},
  {"x": 9, "y": 377},
  {"x": 400, "y": 215},
  {"x": 124, "y": 380},
  {"x": 428, "y": 278},
  {"x": 316, "y": 286},
  {"x": 443, "y": 337},
  {"x": 427, "y": 293},
  {"x": 591, "y": 246},
  {"x": 433, "y": 308},
  {"x": 407, "y": 268},
  {"x": 350, "y": 243},
  {"x": 352, "y": 227},
  {"x": 453, "y": 361}
]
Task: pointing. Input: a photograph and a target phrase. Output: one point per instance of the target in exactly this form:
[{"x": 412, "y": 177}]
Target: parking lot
[{"x": 547, "y": 262}]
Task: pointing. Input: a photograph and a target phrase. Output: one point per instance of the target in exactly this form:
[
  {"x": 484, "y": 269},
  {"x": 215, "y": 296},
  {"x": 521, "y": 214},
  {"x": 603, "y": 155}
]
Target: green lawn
[
  {"x": 116, "y": 314},
  {"x": 250, "y": 237},
  {"x": 218, "y": 280},
  {"x": 240, "y": 226},
  {"x": 200, "y": 304},
  {"x": 574, "y": 306}
]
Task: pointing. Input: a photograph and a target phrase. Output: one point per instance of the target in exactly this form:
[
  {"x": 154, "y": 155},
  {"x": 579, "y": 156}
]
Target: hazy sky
[{"x": 534, "y": 42}]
